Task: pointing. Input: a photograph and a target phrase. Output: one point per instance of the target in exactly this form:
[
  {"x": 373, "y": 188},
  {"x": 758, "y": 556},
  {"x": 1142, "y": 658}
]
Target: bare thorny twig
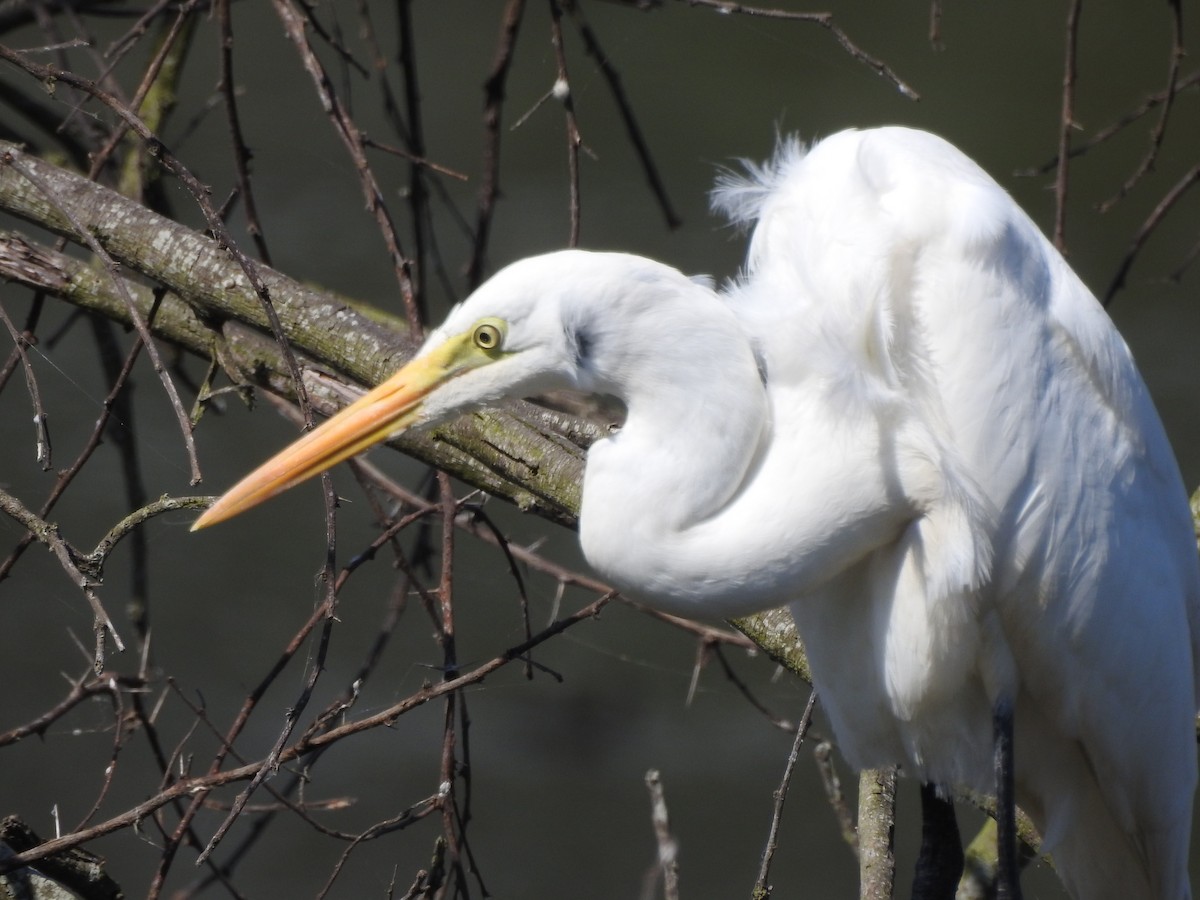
[
  {"x": 117, "y": 132},
  {"x": 1069, "y": 150}
]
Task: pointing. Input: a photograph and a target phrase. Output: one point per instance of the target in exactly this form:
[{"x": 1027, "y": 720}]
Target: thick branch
[{"x": 527, "y": 455}]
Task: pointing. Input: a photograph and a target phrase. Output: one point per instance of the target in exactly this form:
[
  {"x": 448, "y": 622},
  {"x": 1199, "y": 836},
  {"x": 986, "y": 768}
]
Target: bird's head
[{"x": 529, "y": 329}]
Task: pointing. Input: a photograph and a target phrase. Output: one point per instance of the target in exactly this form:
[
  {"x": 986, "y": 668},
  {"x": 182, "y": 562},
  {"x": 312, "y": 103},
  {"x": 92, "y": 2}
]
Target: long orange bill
[{"x": 377, "y": 415}]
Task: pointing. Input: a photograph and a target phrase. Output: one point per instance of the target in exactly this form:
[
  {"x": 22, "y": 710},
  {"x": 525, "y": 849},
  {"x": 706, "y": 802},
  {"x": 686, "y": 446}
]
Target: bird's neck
[
  {"x": 687, "y": 449},
  {"x": 697, "y": 424},
  {"x": 721, "y": 498}
]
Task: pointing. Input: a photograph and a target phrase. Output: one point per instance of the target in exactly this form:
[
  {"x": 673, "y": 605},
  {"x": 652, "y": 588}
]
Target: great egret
[{"x": 910, "y": 422}]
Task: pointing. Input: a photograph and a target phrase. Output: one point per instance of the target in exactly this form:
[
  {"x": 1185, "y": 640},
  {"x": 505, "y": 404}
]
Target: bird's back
[{"x": 920, "y": 293}]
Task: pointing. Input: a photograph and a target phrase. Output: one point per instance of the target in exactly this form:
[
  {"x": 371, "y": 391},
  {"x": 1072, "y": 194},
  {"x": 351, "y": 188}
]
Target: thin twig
[
  {"x": 823, "y": 19},
  {"x": 110, "y": 265},
  {"x": 166, "y": 62},
  {"x": 41, "y": 427},
  {"x": 429, "y": 257},
  {"x": 493, "y": 106},
  {"x": 823, "y": 754},
  {"x": 420, "y": 161},
  {"x": 1176, "y": 275},
  {"x": 119, "y": 405},
  {"x": 138, "y": 517},
  {"x": 70, "y": 561},
  {"x": 198, "y": 786},
  {"x": 1066, "y": 126},
  {"x": 562, "y": 92},
  {"x": 294, "y": 21},
  {"x": 122, "y": 45},
  {"x": 1143, "y": 234},
  {"x": 762, "y": 888},
  {"x": 744, "y": 689},
  {"x": 67, "y": 476},
  {"x": 241, "y": 151},
  {"x": 1151, "y": 102},
  {"x": 632, "y": 129},
  {"x": 327, "y": 609},
  {"x": 1158, "y": 133},
  {"x": 420, "y": 216},
  {"x": 935, "y": 25},
  {"x": 409, "y": 816},
  {"x": 333, "y": 37},
  {"x": 446, "y": 637},
  {"x": 82, "y": 690}
]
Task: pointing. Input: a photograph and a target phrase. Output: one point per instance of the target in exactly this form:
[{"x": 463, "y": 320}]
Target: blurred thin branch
[
  {"x": 824, "y": 20},
  {"x": 762, "y": 885},
  {"x": 493, "y": 107},
  {"x": 666, "y": 866},
  {"x": 1156, "y": 217},
  {"x": 1066, "y": 125},
  {"x": 1159, "y": 131}
]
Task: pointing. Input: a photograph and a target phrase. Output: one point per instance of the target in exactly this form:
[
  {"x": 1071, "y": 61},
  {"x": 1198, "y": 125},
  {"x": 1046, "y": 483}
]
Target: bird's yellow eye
[{"x": 488, "y": 334}]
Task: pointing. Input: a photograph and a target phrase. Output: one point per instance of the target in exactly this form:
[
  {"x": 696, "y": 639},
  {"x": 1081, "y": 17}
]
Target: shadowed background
[{"x": 557, "y": 799}]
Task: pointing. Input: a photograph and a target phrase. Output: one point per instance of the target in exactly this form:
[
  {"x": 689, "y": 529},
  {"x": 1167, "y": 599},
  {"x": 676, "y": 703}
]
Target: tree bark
[{"x": 524, "y": 453}]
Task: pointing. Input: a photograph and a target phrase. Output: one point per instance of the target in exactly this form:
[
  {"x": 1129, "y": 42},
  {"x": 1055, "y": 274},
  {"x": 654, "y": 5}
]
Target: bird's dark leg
[
  {"x": 940, "y": 863},
  {"x": 1008, "y": 885}
]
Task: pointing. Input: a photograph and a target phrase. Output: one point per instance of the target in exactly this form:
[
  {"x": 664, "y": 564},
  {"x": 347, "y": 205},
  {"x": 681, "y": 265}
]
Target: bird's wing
[{"x": 892, "y": 269}]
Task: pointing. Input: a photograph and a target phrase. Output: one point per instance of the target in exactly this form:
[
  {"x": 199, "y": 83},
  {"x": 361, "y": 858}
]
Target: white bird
[{"x": 909, "y": 421}]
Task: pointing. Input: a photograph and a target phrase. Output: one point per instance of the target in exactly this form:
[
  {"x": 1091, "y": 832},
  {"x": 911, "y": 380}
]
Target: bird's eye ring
[{"x": 488, "y": 335}]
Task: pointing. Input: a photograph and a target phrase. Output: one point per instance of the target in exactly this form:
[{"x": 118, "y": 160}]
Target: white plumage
[
  {"x": 912, "y": 423},
  {"x": 1065, "y": 575}
]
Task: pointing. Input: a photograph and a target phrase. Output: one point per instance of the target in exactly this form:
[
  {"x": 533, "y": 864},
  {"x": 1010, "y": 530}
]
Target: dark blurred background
[{"x": 558, "y": 803}]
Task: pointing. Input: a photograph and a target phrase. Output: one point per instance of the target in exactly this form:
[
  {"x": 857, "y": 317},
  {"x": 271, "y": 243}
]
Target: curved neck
[
  {"x": 718, "y": 498},
  {"x": 693, "y": 441},
  {"x": 688, "y": 447}
]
